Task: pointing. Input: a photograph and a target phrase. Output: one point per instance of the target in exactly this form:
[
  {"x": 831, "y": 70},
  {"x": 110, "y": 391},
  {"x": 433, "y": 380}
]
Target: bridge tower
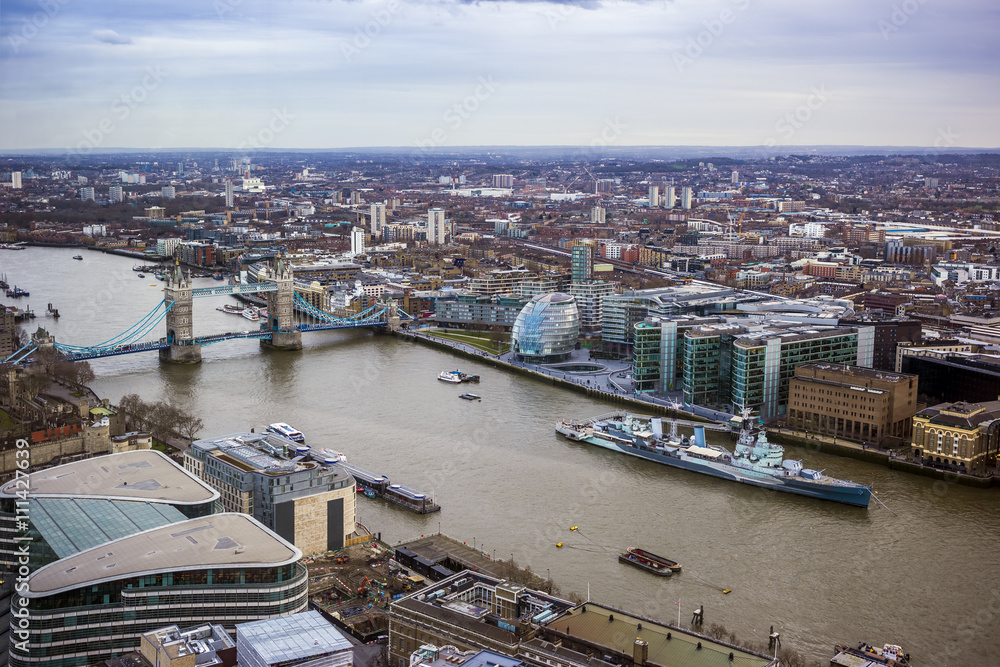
[
  {"x": 281, "y": 312},
  {"x": 180, "y": 320}
]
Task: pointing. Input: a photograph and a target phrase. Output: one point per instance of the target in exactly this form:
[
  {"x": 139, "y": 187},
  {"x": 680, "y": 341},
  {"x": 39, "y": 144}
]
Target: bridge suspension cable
[
  {"x": 365, "y": 317},
  {"x": 127, "y": 337}
]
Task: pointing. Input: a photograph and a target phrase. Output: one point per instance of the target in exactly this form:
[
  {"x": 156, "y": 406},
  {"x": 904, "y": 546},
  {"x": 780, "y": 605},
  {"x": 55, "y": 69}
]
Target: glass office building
[{"x": 546, "y": 329}]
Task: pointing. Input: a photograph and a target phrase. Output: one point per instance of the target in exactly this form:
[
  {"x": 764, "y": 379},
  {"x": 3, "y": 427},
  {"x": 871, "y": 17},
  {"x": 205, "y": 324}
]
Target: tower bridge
[{"x": 181, "y": 345}]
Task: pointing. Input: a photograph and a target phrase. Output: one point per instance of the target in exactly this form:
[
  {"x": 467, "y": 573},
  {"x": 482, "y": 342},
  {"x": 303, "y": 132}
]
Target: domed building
[{"x": 546, "y": 329}]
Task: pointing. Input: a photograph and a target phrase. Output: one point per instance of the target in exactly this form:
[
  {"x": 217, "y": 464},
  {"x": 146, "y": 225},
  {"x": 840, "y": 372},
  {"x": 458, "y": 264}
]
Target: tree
[
  {"x": 190, "y": 425},
  {"x": 34, "y": 384}
]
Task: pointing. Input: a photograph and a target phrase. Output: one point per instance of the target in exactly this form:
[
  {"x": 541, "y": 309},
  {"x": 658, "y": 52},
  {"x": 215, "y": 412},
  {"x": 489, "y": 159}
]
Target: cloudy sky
[{"x": 329, "y": 73}]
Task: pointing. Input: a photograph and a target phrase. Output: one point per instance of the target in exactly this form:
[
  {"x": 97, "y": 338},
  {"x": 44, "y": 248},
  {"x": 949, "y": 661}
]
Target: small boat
[
  {"x": 262, "y": 312},
  {"x": 250, "y": 313},
  {"x": 471, "y": 397},
  {"x": 658, "y": 565},
  {"x": 231, "y": 309},
  {"x": 77, "y": 256},
  {"x": 466, "y": 377},
  {"x": 138, "y": 269},
  {"x": 454, "y": 377},
  {"x": 890, "y": 655},
  {"x": 217, "y": 276},
  {"x": 17, "y": 292}
]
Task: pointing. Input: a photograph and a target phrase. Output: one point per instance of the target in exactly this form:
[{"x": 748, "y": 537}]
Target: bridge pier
[
  {"x": 181, "y": 354},
  {"x": 281, "y": 313},
  {"x": 177, "y": 296}
]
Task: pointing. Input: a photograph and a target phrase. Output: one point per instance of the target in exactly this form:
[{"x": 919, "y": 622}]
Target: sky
[{"x": 248, "y": 74}]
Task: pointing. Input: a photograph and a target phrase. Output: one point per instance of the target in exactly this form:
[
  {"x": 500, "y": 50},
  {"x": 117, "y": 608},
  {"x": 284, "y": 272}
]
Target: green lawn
[
  {"x": 477, "y": 339},
  {"x": 5, "y": 420}
]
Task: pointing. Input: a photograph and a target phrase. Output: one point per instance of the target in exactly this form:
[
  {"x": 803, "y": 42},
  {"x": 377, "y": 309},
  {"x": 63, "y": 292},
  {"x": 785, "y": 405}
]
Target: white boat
[
  {"x": 286, "y": 431},
  {"x": 250, "y": 313},
  {"x": 454, "y": 377},
  {"x": 232, "y": 309}
]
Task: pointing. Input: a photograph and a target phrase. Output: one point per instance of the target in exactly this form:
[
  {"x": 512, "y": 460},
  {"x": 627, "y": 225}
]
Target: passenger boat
[
  {"x": 286, "y": 431},
  {"x": 231, "y": 309},
  {"x": 754, "y": 461},
  {"x": 250, "y": 313},
  {"x": 77, "y": 256},
  {"x": 645, "y": 560},
  {"x": 890, "y": 655},
  {"x": 142, "y": 275},
  {"x": 454, "y": 377},
  {"x": 17, "y": 292},
  {"x": 471, "y": 397}
]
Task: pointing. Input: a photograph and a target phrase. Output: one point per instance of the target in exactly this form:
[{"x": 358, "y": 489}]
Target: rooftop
[
  {"x": 220, "y": 540},
  {"x": 137, "y": 475},
  {"x": 617, "y": 630},
  {"x": 290, "y": 639}
]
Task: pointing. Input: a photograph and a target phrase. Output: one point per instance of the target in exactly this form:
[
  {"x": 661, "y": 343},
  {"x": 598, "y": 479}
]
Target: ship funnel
[{"x": 699, "y": 436}]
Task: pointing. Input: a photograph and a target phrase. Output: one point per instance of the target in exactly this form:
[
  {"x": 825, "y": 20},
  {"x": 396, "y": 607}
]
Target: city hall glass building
[{"x": 546, "y": 329}]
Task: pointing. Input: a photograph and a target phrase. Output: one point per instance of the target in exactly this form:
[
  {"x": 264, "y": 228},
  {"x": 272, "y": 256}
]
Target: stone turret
[
  {"x": 281, "y": 310},
  {"x": 178, "y": 297}
]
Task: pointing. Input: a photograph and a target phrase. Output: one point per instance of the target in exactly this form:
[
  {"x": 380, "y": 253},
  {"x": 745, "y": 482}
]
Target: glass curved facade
[
  {"x": 546, "y": 329},
  {"x": 95, "y": 622}
]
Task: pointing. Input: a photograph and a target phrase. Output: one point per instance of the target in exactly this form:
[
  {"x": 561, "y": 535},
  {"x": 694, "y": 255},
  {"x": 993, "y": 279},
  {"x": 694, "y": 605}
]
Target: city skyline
[{"x": 245, "y": 75}]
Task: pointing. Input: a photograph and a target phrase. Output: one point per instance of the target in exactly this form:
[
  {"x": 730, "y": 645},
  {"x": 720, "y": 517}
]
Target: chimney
[{"x": 640, "y": 651}]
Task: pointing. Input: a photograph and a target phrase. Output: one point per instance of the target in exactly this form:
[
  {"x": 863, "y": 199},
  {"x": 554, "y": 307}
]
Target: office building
[
  {"x": 220, "y": 569},
  {"x": 954, "y": 376},
  {"x": 168, "y": 192},
  {"x": 201, "y": 646},
  {"x": 304, "y": 640},
  {"x": 377, "y": 220},
  {"x": 589, "y": 298},
  {"x": 686, "y": 198},
  {"x": 959, "y": 436},
  {"x": 503, "y": 180},
  {"x": 436, "y": 227},
  {"x": 477, "y": 311},
  {"x": 890, "y": 332},
  {"x": 15, "y": 180},
  {"x": 621, "y": 312},
  {"x": 851, "y": 402},
  {"x": 582, "y": 262},
  {"x": 80, "y": 505},
  {"x": 115, "y": 194},
  {"x": 598, "y": 215},
  {"x": 229, "y": 193},
  {"x": 669, "y": 196},
  {"x": 357, "y": 241},
  {"x": 468, "y": 610},
  {"x": 298, "y": 494},
  {"x": 737, "y": 364},
  {"x": 658, "y": 351},
  {"x": 654, "y": 196},
  {"x": 546, "y": 329},
  {"x": 930, "y": 347},
  {"x": 87, "y": 194}
]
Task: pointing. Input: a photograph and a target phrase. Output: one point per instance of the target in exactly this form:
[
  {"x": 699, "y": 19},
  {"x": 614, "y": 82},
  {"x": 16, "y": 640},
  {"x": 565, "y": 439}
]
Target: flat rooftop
[
  {"x": 144, "y": 474},
  {"x": 617, "y": 630},
  {"x": 292, "y": 639},
  {"x": 220, "y": 540}
]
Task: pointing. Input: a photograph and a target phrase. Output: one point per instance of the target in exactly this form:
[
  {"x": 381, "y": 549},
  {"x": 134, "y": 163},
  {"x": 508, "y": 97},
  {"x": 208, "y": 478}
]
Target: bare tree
[{"x": 190, "y": 425}]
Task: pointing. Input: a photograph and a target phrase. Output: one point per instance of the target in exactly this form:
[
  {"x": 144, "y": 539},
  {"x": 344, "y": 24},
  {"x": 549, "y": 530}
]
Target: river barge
[
  {"x": 650, "y": 562},
  {"x": 865, "y": 655},
  {"x": 372, "y": 485},
  {"x": 754, "y": 461}
]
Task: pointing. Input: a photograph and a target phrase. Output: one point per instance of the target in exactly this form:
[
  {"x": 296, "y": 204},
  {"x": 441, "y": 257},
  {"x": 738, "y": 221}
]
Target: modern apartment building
[
  {"x": 478, "y": 311},
  {"x": 590, "y": 302},
  {"x": 582, "y": 262},
  {"x": 851, "y": 402},
  {"x": 437, "y": 229},
  {"x": 299, "y": 495}
]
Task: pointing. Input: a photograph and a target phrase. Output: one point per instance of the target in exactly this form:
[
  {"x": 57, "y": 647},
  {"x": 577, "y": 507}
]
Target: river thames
[{"x": 922, "y": 573}]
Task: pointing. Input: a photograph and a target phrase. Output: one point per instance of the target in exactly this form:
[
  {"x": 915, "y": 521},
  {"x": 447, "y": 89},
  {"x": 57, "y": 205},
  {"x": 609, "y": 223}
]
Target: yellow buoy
[
  {"x": 728, "y": 590},
  {"x": 574, "y": 528},
  {"x": 558, "y": 544}
]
